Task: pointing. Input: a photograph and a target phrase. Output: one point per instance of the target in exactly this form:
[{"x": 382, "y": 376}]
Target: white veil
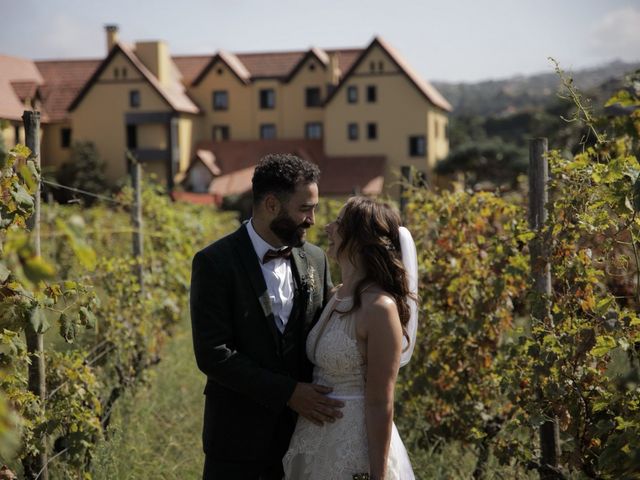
[{"x": 410, "y": 261}]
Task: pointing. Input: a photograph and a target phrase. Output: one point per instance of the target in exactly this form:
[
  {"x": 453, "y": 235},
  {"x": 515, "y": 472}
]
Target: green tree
[
  {"x": 489, "y": 161},
  {"x": 85, "y": 171}
]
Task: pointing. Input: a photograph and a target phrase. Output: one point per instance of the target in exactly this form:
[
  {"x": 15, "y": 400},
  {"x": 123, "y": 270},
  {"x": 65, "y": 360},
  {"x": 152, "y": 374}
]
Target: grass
[{"x": 156, "y": 430}]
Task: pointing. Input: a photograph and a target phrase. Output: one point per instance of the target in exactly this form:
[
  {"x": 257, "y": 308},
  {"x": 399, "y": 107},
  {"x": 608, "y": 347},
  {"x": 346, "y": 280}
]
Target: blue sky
[{"x": 452, "y": 40}]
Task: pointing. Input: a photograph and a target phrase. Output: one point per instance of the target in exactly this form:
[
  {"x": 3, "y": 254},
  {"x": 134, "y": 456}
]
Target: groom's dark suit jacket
[{"x": 251, "y": 367}]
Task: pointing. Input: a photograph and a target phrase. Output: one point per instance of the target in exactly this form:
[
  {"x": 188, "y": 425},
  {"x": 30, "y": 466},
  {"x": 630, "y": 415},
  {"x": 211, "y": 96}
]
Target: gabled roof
[
  {"x": 273, "y": 65},
  {"x": 174, "y": 94},
  {"x": 190, "y": 66},
  {"x": 25, "y": 89},
  {"x": 63, "y": 79},
  {"x": 20, "y": 72},
  {"x": 231, "y": 61},
  {"x": 424, "y": 87},
  {"x": 313, "y": 52}
]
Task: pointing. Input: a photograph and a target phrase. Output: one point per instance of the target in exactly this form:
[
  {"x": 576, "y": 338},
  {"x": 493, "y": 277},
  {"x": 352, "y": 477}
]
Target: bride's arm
[{"x": 384, "y": 346}]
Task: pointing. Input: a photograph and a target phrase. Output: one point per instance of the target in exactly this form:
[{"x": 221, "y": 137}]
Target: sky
[{"x": 445, "y": 40}]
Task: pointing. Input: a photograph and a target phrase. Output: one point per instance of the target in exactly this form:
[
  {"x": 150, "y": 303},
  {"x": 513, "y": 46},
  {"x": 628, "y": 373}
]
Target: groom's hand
[{"x": 311, "y": 401}]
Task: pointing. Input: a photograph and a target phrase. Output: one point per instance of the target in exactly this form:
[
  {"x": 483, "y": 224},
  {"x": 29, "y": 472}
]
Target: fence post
[
  {"x": 35, "y": 466},
  {"x": 541, "y": 274},
  {"x": 136, "y": 217}
]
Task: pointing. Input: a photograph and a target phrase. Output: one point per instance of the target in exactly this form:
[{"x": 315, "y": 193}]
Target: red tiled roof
[
  {"x": 25, "y": 89},
  {"x": 15, "y": 69},
  {"x": 339, "y": 175},
  {"x": 270, "y": 64},
  {"x": 280, "y": 64},
  {"x": 173, "y": 93},
  {"x": 190, "y": 66},
  {"x": 424, "y": 87},
  {"x": 63, "y": 79}
]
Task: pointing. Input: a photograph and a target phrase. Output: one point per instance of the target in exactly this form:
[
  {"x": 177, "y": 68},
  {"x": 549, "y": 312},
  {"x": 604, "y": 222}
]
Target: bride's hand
[{"x": 311, "y": 401}]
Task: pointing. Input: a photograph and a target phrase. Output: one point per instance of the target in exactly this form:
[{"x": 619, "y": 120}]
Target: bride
[{"x": 363, "y": 336}]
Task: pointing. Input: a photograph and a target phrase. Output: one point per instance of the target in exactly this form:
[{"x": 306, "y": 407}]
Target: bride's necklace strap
[{"x": 340, "y": 299}]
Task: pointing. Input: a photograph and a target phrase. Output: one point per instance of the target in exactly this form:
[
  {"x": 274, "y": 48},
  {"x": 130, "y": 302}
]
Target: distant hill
[{"x": 530, "y": 93}]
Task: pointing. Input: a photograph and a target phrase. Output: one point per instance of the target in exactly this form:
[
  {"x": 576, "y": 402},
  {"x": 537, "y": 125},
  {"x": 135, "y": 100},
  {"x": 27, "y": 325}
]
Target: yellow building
[{"x": 203, "y": 121}]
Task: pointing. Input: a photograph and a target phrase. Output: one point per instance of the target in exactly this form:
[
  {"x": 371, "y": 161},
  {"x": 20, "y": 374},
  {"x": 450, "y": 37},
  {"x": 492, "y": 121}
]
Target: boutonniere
[
  {"x": 309, "y": 280},
  {"x": 265, "y": 303}
]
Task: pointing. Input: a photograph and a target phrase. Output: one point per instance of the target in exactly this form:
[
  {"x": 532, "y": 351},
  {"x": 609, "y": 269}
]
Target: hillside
[{"x": 526, "y": 93}]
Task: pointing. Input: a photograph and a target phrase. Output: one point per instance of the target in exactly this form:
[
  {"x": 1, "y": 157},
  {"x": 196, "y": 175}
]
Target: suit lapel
[
  {"x": 300, "y": 267},
  {"x": 250, "y": 262}
]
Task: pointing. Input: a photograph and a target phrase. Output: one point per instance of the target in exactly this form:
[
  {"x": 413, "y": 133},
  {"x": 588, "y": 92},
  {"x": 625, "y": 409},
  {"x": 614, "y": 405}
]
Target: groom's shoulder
[{"x": 314, "y": 251}]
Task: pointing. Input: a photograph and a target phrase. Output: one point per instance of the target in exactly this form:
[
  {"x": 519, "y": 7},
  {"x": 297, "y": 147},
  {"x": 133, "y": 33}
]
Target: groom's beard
[{"x": 289, "y": 232}]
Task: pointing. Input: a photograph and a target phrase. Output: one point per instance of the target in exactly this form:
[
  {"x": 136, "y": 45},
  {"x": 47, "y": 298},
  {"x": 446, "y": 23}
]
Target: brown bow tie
[{"x": 272, "y": 254}]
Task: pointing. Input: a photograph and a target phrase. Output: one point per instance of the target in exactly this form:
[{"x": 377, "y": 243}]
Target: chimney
[
  {"x": 112, "y": 36},
  {"x": 334, "y": 69},
  {"x": 155, "y": 56}
]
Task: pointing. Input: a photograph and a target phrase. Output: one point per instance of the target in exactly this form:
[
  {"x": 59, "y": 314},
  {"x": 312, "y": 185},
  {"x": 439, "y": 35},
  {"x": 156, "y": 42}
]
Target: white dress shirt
[{"x": 277, "y": 275}]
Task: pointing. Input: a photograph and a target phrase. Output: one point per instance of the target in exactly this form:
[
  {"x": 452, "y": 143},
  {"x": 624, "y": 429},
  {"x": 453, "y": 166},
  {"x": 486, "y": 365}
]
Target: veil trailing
[{"x": 410, "y": 261}]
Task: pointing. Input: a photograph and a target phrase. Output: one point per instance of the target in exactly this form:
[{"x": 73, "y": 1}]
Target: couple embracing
[{"x": 301, "y": 375}]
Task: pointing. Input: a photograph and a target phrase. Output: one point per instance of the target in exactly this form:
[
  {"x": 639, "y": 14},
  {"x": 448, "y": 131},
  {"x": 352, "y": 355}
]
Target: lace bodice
[
  {"x": 334, "y": 349},
  {"x": 338, "y": 450}
]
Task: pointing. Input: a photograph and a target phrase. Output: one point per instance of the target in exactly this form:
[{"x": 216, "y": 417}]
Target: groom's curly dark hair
[{"x": 279, "y": 173}]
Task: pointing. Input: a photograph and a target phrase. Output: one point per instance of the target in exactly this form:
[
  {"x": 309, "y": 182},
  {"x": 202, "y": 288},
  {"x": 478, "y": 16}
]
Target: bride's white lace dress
[{"x": 338, "y": 450}]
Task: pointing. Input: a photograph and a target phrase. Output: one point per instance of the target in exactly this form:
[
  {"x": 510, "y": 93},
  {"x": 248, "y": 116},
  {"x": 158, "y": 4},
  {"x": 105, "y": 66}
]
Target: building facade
[{"x": 362, "y": 114}]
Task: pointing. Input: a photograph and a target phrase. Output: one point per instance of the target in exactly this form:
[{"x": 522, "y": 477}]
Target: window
[
  {"x": 124, "y": 72},
  {"x": 220, "y": 132},
  {"x": 381, "y": 66},
  {"x": 267, "y": 131},
  {"x": 267, "y": 98},
  {"x": 116, "y": 72},
  {"x": 312, "y": 67},
  {"x": 352, "y": 94},
  {"x": 372, "y": 94},
  {"x": 312, "y": 97},
  {"x": 417, "y": 146},
  {"x": 352, "y": 131},
  {"x": 220, "y": 100},
  {"x": 134, "y": 98},
  {"x": 313, "y": 130},
  {"x": 372, "y": 131},
  {"x": 220, "y": 71},
  {"x": 372, "y": 66},
  {"x": 65, "y": 137},
  {"x": 132, "y": 137}
]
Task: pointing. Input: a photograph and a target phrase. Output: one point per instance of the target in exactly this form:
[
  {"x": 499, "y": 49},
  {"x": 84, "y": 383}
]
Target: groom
[{"x": 255, "y": 294}]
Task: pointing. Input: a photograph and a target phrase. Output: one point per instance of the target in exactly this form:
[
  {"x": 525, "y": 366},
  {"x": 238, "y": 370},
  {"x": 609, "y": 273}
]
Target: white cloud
[{"x": 617, "y": 34}]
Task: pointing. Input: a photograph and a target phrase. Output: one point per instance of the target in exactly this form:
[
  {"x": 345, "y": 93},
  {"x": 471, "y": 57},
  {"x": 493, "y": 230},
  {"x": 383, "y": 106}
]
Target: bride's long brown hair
[{"x": 371, "y": 240}]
